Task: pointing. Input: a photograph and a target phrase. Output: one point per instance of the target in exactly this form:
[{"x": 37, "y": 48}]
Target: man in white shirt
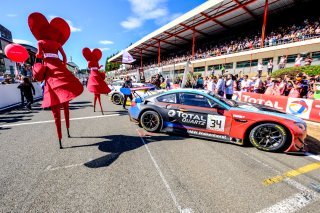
[{"x": 245, "y": 84}]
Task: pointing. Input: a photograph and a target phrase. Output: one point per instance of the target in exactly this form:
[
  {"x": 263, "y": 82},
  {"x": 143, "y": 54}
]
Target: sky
[{"x": 110, "y": 25}]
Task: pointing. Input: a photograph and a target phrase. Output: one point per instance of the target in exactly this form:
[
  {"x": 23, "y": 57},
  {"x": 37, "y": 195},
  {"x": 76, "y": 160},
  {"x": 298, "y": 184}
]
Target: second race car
[{"x": 204, "y": 114}]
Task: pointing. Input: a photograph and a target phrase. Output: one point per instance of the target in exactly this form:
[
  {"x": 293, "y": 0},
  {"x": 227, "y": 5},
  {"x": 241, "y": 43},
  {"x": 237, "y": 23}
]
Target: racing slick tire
[
  {"x": 269, "y": 137},
  {"x": 150, "y": 121},
  {"x": 117, "y": 99}
]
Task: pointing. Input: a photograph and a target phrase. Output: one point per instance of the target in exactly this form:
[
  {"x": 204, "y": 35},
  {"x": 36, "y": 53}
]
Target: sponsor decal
[
  {"x": 235, "y": 97},
  {"x": 207, "y": 134},
  {"x": 190, "y": 119},
  {"x": 298, "y": 107},
  {"x": 216, "y": 122},
  {"x": 239, "y": 116},
  {"x": 269, "y": 103},
  {"x": 172, "y": 113}
]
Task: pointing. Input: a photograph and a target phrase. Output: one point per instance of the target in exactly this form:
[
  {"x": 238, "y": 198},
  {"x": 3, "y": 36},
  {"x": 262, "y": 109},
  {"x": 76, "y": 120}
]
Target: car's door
[
  {"x": 203, "y": 116},
  {"x": 168, "y": 104}
]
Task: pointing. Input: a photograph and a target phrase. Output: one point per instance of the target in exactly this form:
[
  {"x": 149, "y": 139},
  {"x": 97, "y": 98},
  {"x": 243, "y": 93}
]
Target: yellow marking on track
[{"x": 292, "y": 173}]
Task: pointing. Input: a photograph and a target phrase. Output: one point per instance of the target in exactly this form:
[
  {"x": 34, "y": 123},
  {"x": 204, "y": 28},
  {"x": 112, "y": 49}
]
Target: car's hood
[{"x": 261, "y": 109}]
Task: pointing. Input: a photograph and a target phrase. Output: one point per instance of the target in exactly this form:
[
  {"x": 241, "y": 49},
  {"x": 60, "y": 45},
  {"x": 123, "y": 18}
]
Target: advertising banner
[{"x": 308, "y": 109}]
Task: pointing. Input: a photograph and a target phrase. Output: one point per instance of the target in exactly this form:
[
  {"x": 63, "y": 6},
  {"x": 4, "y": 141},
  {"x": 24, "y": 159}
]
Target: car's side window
[
  {"x": 170, "y": 98},
  {"x": 194, "y": 100}
]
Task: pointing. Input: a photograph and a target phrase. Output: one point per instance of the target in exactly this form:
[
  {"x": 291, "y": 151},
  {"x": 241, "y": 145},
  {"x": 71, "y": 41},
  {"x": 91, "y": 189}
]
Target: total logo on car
[{"x": 204, "y": 114}]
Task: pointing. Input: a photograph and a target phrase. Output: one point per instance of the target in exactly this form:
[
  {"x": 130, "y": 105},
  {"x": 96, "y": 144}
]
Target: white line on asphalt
[
  {"x": 51, "y": 121},
  {"x": 186, "y": 210},
  {"x": 290, "y": 204},
  {"x": 49, "y": 168},
  {"x": 309, "y": 195},
  {"x": 316, "y": 157}
]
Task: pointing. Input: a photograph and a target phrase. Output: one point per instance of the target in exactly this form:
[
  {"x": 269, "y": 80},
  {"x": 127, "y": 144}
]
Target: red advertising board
[{"x": 304, "y": 108}]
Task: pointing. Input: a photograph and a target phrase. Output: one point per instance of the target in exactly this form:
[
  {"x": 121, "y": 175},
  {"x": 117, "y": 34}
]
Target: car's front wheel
[
  {"x": 150, "y": 121},
  {"x": 117, "y": 99},
  {"x": 269, "y": 137}
]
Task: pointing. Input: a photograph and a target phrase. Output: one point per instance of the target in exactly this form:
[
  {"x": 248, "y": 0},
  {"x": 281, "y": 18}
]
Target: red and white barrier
[{"x": 304, "y": 108}]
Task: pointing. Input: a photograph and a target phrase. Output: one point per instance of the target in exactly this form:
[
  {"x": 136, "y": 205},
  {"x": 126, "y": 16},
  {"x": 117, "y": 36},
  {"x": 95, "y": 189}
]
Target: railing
[{"x": 212, "y": 54}]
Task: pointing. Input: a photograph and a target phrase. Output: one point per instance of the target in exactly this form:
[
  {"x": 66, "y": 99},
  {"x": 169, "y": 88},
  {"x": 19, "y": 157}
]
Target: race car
[
  {"x": 203, "y": 114},
  {"x": 117, "y": 97}
]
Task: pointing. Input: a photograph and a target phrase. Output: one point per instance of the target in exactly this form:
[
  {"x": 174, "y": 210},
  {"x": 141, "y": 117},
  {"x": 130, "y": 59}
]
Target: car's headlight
[{"x": 302, "y": 126}]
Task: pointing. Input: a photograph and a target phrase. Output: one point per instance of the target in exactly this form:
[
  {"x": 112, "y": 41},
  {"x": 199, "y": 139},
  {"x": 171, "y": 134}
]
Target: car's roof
[{"x": 200, "y": 92}]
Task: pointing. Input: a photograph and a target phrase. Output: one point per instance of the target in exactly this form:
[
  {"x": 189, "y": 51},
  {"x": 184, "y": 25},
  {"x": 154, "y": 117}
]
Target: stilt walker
[
  {"x": 61, "y": 85},
  {"x": 96, "y": 83}
]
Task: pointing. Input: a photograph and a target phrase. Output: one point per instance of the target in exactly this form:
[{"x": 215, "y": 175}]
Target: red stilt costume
[
  {"x": 61, "y": 85},
  {"x": 96, "y": 83}
]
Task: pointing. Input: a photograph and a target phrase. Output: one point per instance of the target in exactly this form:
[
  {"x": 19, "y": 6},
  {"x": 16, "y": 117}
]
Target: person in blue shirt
[
  {"x": 229, "y": 87},
  {"x": 220, "y": 86},
  {"x": 199, "y": 83}
]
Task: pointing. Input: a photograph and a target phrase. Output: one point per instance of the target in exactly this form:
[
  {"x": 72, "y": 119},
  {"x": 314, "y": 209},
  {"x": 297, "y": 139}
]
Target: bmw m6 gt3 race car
[{"x": 206, "y": 115}]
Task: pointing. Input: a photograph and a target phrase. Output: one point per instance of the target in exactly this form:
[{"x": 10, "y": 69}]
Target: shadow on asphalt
[
  {"x": 313, "y": 145},
  {"x": 116, "y": 145}
]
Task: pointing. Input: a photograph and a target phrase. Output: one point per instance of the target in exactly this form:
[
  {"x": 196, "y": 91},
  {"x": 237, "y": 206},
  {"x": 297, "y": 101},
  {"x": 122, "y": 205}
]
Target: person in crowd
[
  {"x": 168, "y": 83},
  {"x": 270, "y": 67},
  {"x": 229, "y": 86},
  {"x": 245, "y": 84},
  {"x": 311, "y": 87},
  {"x": 157, "y": 81},
  {"x": 260, "y": 69},
  {"x": 298, "y": 61},
  {"x": 211, "y": 85},
  {"x": 127, "y": 84},
  {"x": 308, "y": 60},
  {"x": 220, "y": 85},
  {"x": 272, "y": 88},
  {"x": 200, "y": 83},
  {"x": 257, "y": 85},
  {"x": 282, "y": 86},
  {"x": 21, "y": 91},
  {"x": 295, "y": 92},
  {"x": 28, "y": 91},
  {"x": 282, "y": 62}
]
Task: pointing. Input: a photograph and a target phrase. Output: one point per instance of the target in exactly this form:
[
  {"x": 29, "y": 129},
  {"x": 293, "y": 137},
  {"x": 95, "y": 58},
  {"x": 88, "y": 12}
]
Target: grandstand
[{"x": 234, "y": 35}]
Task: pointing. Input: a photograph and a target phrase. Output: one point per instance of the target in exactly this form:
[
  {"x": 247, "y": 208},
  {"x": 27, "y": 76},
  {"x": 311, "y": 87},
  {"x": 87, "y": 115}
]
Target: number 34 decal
[{"x": 216, "y": 122}]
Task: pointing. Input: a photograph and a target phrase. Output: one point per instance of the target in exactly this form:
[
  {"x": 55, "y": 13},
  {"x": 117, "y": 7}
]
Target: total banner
[{"x": 304, "y": 108}]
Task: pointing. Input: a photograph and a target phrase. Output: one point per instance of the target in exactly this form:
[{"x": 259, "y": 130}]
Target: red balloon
[{"x": 16, "y": 52}]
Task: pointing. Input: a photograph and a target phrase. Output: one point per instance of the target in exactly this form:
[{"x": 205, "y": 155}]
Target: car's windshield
[{"x": 228, "y": 102}]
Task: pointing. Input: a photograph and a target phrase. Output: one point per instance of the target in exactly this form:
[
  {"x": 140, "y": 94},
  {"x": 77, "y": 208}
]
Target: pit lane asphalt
[{"x": 107, "y": 167}]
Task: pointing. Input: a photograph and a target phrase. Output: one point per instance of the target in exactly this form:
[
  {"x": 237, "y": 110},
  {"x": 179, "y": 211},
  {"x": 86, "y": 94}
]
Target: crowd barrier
[
  {"x": 10, "y": 95},
  {"x": 308, "y": 109}
]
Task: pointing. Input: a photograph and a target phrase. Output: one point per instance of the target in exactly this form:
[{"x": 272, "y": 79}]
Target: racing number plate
[{"x": 216, "y": 122}]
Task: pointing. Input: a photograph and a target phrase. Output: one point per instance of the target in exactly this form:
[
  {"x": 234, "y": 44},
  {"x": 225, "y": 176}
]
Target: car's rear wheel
[
  {"x": 150, "y": 121},
  {"x": 269, "y": 137},
  {"x": 116, "y": 99}
]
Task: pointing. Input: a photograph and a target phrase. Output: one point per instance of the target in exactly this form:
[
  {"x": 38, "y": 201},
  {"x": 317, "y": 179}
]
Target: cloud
[
  {"x": 72, "y": 28},
  {"x": 144, "y": 10},
  {"x": 104, "y": 48},
  {"x": 11, "y": 15},
  {"x": 131, "y": 23},
  {"x": 105, "y": 42},
  {"x": 21, "y": 41}
]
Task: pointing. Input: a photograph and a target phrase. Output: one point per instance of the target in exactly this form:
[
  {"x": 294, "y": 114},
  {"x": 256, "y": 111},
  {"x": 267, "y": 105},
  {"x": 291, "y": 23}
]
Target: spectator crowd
[{"x": 281, "y": 35}]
